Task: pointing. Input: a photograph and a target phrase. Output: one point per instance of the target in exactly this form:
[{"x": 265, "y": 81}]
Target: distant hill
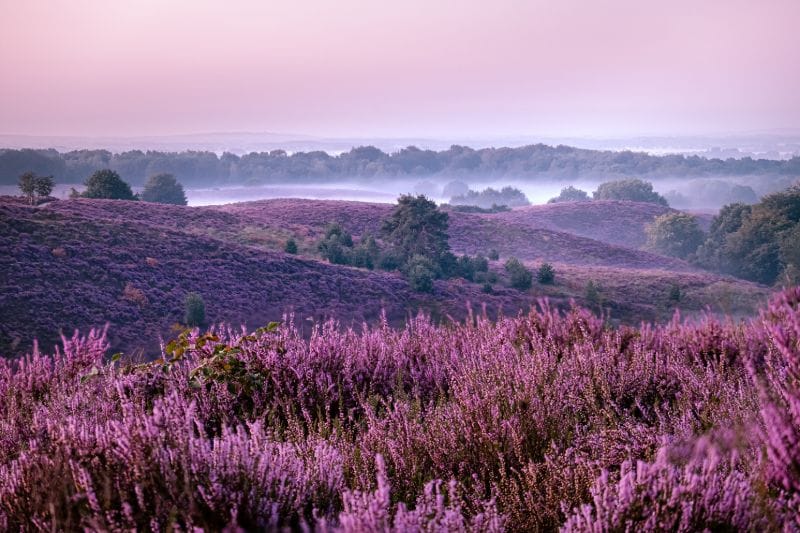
[{"x": 77, "y": 264}]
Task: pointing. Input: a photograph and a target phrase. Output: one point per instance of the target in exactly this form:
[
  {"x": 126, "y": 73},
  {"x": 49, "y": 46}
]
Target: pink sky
[{"x": 412, "y": 67}]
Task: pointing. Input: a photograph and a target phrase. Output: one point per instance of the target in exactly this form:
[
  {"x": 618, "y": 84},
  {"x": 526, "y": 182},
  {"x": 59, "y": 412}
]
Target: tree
[
  {"x": 195, "y": 310},
  {"x": 290, "y": 247},
  {"x": 675, "y": 235},
  {"x": 417, "y": 227},
  {"x": 163, "y": 189},
  {"x": 421, "y": 272},
  {"x": 546, "y": 275},
  {"x": 520, "y": 276},
  {"x": 755, "y": 242},
  {"x": 493, "y": 254},
  {"x": 44, "y": 186},
  {"x": 632, "y": 190},
  {"x": 27, "y": 185},
  {"x": 107, "y": 184},
  {"x": 33, "y": 186},
  {"x": 570, "y": 194}
]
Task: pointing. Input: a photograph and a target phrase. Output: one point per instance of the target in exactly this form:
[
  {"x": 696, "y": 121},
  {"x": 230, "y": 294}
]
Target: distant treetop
[
  {"x": 633, "y": 190},
  {"x": 163, "y": 189},
  {"x": 525, "y": 163},
  {"x": 107, "y": 184}
]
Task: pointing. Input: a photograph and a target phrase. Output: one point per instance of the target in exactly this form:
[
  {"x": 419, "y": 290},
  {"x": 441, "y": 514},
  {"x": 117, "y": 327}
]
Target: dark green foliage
[
  {"x": 195, "y": 310},
  {"x": 366, "y": 254},
  {"x": 493, "y": 254},
  {"x": 448, "y": 265},
  {"x": 546, "y": 274},
  {"x": 487, "y": 288},
  {"x": 290, "y": 247},
  {"x": 390, "y": 259},
  {"x": 44, "y": 186},
  {"x": 633, "y": 190},
  {"x": 163, "y": 189},
  {"x": 570, "y": 194},
  {"x": 417, "y": 227},
  {"x": 27, "y": 185},
  {"x": 675, "y": 293},
  {"x": 675, "y": 235},
  {"x": 336, "y": 246},
  {"x": 421, "y": 272},
  {"x": 520, "y": 276},
  {"x": 466, "y": 268},
  {"x": 490, "y": 198},
  {"x": 593, "y": 293},
  {"x": 107, "y": 184},
  {"x": 756, "y": 242},
  {"x": 475, "y": 209},
  {"x": 33, "y": 186}
]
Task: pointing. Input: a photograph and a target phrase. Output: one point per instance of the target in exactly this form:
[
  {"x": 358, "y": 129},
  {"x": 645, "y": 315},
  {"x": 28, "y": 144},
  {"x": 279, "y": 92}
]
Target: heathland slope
[
  {"x": 62, "y": 271},
  {"x": 82, "y": 263}
]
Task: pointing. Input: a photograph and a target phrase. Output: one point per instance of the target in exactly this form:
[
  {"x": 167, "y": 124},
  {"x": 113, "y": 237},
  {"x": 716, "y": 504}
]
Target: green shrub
[
  {"x": 546, "y": 274},
  {"x": 195, "y": 310},
  {"x": 592, "y": 293},
  {"x": 494, "y": 255},
  {"x": 290, "y": 247},
  {"x": 520, "y": 276},
  {"x": 421, "y": 272}
]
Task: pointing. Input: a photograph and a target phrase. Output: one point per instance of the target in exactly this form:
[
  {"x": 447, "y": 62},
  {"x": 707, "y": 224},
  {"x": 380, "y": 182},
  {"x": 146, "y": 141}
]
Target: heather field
[
  {"x": 79, "y": 264},
  {"x": 540, "y": 422}
]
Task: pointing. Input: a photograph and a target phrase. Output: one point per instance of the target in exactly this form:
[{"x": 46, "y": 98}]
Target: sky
[{"x": 385, "y": 68}]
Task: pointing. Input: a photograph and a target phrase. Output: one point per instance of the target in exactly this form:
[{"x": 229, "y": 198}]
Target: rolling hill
[{"x": 82, "y": 263}]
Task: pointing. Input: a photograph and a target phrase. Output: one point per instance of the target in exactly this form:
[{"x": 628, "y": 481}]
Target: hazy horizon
[{"x": 368, "y": 70}]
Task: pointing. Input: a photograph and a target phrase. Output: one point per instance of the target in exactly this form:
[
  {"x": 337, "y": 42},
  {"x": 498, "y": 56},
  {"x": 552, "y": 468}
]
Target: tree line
[{"x": 538, "y": 161}]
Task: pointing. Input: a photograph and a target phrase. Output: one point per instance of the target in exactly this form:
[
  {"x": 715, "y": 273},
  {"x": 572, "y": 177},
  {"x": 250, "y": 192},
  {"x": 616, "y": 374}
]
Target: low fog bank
[{"x": 682, "y": 193}]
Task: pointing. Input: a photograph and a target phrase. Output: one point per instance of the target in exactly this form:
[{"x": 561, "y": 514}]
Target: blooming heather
[{"x": 539, "y": 422}]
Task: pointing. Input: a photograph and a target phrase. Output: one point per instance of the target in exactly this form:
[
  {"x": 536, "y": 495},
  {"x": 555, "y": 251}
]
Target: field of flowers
[{"x": 535, "y": 423}]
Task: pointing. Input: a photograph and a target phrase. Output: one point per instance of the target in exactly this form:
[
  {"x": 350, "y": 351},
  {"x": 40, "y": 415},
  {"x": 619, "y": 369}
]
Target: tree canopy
[
  {"x": 107, "y": 184},
  {"x": 417, "y": 227},
  {"x": 633, "y": 190},
  {"x": 163, "y": 189}
]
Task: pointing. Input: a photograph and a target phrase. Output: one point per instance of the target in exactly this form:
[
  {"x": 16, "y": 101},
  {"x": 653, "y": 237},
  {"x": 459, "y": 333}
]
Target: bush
[
  {"x": 487, "y": 288},
  {"x": 490, "y": 198},
  {"x": 592, "y": 293},
  {"x": 421, "y": 272},
  {"x": 546, "y": 274},
  {"x": 520, "y": 276},
  {"x": 570, "y": 194},
  {"x": 493, "y": 254},
  {"x": 632, "y": 190},
  {"x": 290, "y": 247},
  {"x": 107, "y": 184},
  {"x": 163, "y": 189},
  {"x": 336, "y": 246},
  {"x": 195, "y": 310},
  {"x": 390, "y": 259},
  {"x": 675, "y": 235}
]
